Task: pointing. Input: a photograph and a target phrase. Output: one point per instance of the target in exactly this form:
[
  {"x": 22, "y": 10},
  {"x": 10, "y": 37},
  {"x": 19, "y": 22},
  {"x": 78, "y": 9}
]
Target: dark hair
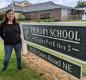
[{"x": 6, "y": 19}]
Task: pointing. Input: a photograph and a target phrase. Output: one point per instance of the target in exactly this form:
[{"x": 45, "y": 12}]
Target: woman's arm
[
  {"x": 1, "y": 32},
  {"x": 19, "y": 29}
]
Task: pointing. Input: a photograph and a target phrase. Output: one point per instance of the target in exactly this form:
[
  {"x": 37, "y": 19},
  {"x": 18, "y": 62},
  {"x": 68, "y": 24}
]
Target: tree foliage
[
  {"x": 81, "y": 4},
  {"x": 2, "y": 16}
]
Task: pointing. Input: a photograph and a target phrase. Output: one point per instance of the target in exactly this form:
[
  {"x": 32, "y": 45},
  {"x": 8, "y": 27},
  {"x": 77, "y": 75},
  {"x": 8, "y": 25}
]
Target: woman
[{"x": 10, "y": 33}]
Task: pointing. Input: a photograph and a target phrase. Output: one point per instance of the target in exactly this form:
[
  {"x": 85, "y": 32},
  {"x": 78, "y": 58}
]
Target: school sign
[{"x": 65, "y": 39}]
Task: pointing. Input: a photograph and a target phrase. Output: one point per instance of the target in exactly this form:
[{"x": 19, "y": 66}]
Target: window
[
  {"x": 45, "y": 16},
  {"x": 28, "y": 17}
]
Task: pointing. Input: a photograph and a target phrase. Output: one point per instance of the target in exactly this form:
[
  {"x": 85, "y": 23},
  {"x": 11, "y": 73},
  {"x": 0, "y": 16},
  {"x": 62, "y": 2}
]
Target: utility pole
[{"x": 13, "y": 5}]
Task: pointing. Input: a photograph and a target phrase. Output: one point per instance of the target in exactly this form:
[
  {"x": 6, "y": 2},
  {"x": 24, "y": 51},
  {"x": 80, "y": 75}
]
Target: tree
[
  {"x": 81, "y": 4},
  {"x": 2, "y": 16}
]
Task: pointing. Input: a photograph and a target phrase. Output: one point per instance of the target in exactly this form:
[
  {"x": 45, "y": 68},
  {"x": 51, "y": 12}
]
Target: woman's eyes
[{"x": 11, "y": 14}]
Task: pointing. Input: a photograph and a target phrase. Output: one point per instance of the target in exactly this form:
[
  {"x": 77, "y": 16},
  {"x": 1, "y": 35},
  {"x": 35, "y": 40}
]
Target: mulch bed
[{"x": 46, "y": 69}]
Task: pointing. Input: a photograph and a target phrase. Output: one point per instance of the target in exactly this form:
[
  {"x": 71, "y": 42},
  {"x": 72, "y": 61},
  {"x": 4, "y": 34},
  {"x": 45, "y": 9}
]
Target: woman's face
[{"x": 10, "y": 16}]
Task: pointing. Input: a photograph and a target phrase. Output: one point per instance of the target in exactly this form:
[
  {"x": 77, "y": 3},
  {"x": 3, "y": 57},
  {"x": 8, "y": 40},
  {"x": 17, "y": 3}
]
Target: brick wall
[{"x": 54, "y": 14}]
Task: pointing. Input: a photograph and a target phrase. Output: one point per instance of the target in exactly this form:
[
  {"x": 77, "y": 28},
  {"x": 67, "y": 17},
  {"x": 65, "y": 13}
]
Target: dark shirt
[{"x": 10, "y": 33}]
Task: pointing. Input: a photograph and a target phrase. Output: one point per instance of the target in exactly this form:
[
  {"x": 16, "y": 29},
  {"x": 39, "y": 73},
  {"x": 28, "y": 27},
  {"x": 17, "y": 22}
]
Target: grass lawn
[
  {"x": 13, "y": 74},
  {"x": 75, "y": 21}
]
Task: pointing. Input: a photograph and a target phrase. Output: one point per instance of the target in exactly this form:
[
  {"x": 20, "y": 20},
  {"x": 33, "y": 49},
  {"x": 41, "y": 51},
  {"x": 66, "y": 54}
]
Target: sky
[{"x": 70, "y": 3}]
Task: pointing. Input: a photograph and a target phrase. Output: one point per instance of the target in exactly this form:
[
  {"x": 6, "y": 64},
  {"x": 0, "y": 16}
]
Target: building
[
  {"x": 83, "y": 12},
  {"x": 18, "y": 7},
  {"x": 22, "y": 4},
  {"x": 46, "y": 10},
  {"x": 52, "y": 11}
]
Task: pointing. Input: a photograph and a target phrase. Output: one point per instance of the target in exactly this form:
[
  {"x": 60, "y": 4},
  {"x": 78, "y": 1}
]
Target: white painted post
[{"x": 24, "y": 44}]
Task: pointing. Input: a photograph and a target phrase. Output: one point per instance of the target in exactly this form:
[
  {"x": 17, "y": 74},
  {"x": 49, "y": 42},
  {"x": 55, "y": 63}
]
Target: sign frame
[{"x": 66, "y": 56}]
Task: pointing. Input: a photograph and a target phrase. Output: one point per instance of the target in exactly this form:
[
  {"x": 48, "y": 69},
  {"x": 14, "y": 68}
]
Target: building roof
[
  {"x": 84, "y": 8},
  {"x": 17, "y": 8},
  {"x": 43, "y": 6},
  {"x": 22, "y": 2},
  {"x": 33, "y": 7},
  {"x": 81, "y": 9}
]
